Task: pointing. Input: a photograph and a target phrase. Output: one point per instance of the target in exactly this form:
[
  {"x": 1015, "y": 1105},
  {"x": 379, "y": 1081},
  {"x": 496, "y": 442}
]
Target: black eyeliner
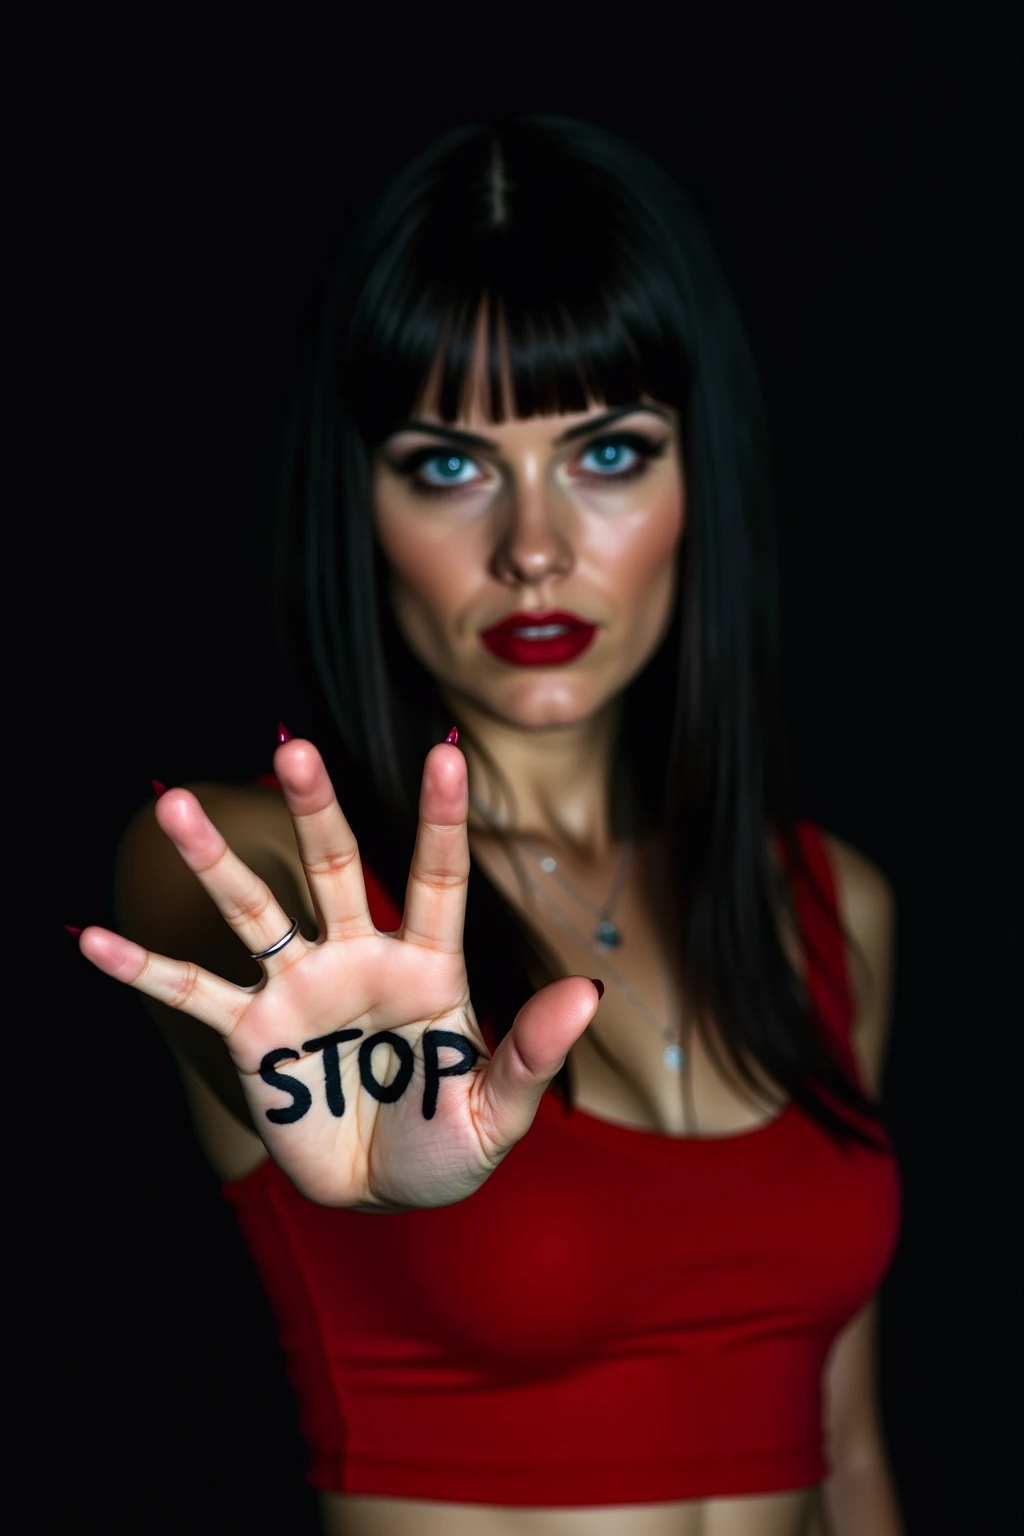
[{"x": 410, "y": 462}]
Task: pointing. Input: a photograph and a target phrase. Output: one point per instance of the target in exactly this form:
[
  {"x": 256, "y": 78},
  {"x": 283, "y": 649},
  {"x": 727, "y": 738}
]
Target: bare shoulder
[
  {"x": 249, "y": 815},
  {"x": 865, "y": 893},
  {"x": 157, "y": 896},
  {"x": 867, "y": 906}
]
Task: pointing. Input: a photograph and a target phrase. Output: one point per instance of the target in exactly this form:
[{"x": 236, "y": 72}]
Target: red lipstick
[{"x": 520, "y": 639}]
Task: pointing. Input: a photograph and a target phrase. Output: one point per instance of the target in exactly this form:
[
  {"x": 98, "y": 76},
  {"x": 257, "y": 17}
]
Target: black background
[{"x": 180, "y": 175}]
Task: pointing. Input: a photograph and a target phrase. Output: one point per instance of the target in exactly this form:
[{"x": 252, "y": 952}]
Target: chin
[{"x": 536, "y": 703}]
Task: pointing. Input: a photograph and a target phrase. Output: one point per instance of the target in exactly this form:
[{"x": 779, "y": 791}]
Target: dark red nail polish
[
  {"x": 453, "y": 736},
  {"x": 74, "y": 932},
  {"x": 158, "y": 788},
  {"x": 599, "y": 985},
  {"x": 283, "y": 734}
]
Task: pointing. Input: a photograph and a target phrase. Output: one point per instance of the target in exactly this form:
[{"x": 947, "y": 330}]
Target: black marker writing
[
  {"x": 301, "y": 1096},
  {"x": 433, "y": 1040},
  {"x": 332, "y": 1069},
  {"x": 403, "y": 1050}
]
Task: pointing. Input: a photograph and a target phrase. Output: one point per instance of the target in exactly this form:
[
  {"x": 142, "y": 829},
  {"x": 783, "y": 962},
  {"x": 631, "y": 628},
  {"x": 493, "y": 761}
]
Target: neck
[{"x": 560, "y": 776}]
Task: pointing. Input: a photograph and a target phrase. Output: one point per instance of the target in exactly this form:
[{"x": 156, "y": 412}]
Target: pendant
[
  {"x": 607, "y": 935},
  {"x": 675, "y": 1057}
]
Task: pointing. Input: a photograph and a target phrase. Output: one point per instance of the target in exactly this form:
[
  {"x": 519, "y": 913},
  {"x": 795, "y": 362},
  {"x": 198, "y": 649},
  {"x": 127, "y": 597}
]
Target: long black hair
[{"x": 607, "y": 289}]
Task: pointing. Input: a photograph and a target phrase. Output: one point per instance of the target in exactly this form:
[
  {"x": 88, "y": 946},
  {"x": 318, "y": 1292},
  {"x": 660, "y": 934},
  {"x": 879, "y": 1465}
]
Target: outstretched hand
[{"x": 359, "y": 1053}]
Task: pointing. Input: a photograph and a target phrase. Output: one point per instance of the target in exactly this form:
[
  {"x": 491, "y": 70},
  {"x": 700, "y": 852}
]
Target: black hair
[{"x": 599, "y": 284}]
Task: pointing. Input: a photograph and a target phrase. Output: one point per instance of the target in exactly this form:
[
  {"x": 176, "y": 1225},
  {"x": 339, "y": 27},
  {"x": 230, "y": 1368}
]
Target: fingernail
[
  {"x": 74, "y": 932},
  {"x": 599, "y": 985},
  {"x": 158, "y": 788},
  {"x": 453, "y": 736},
  {"x": 283, "y": 734}
]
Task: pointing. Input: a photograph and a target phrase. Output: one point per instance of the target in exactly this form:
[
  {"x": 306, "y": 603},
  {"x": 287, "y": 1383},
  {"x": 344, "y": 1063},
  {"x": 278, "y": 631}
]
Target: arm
[{"x": 859, "y": 1498}]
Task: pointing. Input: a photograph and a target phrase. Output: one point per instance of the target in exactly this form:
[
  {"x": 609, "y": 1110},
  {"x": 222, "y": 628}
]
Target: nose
[{"x": 533, "y": 544}]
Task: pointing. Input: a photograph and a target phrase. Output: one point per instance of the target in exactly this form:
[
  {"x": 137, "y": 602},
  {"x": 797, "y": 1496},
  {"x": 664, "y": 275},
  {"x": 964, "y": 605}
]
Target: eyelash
[{"x": 642, "y": 446}]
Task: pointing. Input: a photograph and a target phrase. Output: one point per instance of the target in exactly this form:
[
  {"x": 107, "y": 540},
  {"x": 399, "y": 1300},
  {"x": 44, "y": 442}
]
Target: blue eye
[
  {"x": 609, "y": 456},
  {"x": 450, "y": 469},
  {"x": 608, "y": 452},
  {"x": 447, "y": 470}
]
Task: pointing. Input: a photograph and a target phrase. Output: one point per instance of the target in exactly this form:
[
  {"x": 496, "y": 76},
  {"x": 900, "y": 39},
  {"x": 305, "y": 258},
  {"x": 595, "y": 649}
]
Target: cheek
[
  {"x": 643, "y": 557},
  {"x": 424, "y": 579}
]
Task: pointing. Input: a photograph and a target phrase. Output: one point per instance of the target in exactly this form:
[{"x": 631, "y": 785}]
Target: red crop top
[{"x": 615, "y": 1317}]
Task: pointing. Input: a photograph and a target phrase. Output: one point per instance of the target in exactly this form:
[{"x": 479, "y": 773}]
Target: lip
[
  {"x": 518, "y": 651},
  {"x": 550, "y": 616}
]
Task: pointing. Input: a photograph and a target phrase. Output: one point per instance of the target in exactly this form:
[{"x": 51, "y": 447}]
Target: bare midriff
[{"x": 793, "y": 1513}]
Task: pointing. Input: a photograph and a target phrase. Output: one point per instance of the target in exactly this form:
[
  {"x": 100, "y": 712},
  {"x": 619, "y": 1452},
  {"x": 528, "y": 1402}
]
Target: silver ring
[{"x": 292, "y": 931}]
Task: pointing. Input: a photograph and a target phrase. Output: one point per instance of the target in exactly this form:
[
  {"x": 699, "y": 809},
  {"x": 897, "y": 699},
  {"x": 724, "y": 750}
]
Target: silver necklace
[{"x": 606, "y": 936}]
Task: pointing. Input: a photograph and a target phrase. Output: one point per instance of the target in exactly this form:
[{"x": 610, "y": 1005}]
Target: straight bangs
[{"x": 575, "y": 312}]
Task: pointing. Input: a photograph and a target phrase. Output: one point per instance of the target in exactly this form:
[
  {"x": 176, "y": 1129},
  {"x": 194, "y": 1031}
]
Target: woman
[{"x": 634, "y": 1224}]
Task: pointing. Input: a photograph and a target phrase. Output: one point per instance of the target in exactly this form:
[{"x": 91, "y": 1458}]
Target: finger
[
  {"x": 435, "y": 896},
  {"x": 542, "y": 1034},
  {"x": 246, "y": 902},
  {"x": 177, "y": 983},
  {"x": 327, "y": 844}
]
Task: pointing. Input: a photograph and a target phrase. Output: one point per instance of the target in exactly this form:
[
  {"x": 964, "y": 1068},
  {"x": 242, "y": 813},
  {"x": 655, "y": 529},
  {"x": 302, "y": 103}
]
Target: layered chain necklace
[{"x": 605, "y": 936}]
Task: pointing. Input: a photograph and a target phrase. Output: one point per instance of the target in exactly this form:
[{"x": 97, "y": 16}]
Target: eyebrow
[{"x": 474, "y": 440}]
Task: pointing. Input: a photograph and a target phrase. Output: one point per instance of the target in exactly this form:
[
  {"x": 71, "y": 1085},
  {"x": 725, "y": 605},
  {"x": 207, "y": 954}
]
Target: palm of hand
[{"x": 388, "y": 1106}]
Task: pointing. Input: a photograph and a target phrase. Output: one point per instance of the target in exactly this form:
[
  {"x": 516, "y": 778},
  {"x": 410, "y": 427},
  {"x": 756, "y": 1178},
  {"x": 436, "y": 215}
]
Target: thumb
[{"x": 542, "y": 1034}]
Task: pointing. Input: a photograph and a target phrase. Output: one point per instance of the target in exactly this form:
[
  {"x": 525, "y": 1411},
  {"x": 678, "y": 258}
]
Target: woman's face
[{"x": 576, "y": 513}]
